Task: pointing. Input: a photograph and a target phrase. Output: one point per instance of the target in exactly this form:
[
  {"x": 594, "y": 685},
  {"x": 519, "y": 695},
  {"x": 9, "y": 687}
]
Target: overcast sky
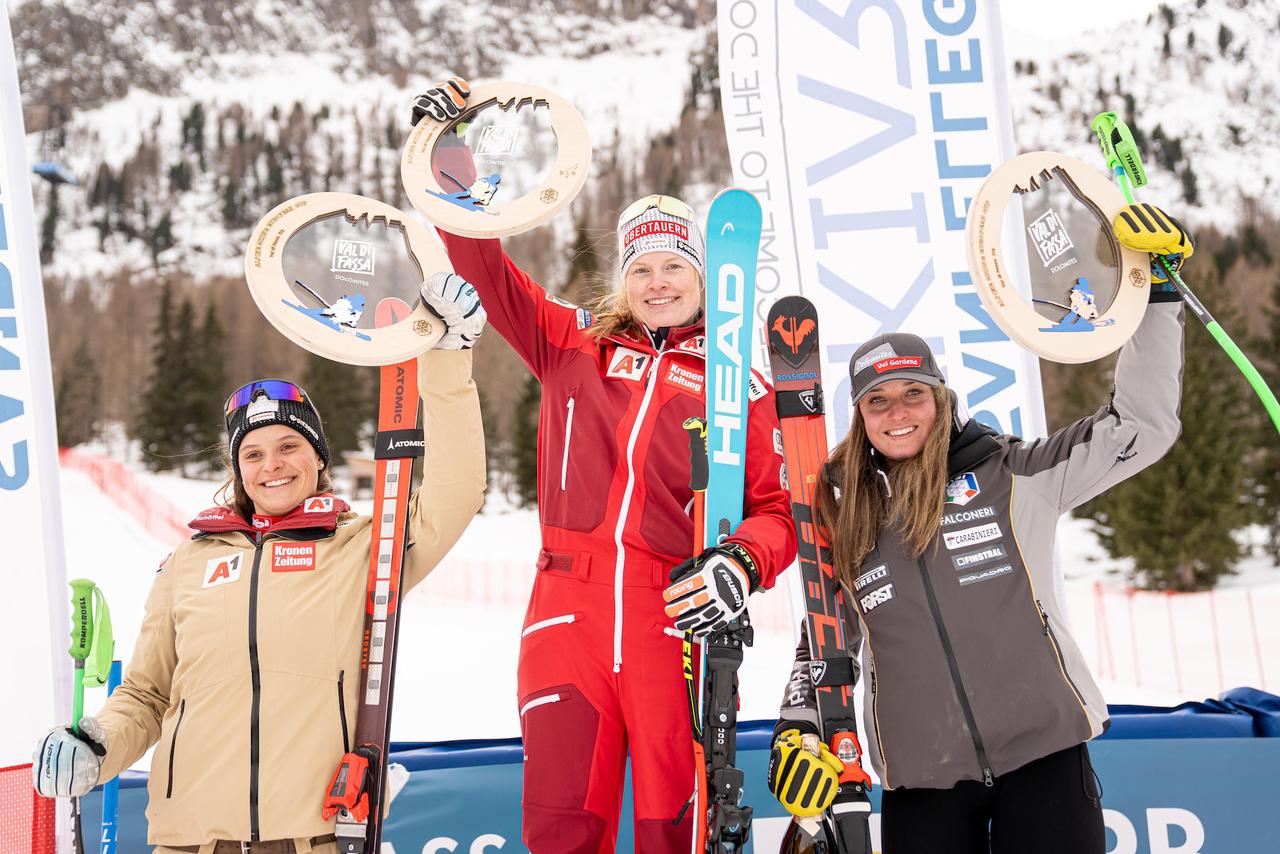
[{"x": 1068, "y": 18}]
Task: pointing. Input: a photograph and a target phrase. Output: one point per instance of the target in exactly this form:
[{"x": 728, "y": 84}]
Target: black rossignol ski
[
  {"x": 796, "y": 362},
  {"x": 358, "y": 788}
]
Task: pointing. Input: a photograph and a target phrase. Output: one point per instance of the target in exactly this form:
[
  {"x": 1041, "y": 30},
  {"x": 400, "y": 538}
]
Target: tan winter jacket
[{"x": 246, "y": 670}]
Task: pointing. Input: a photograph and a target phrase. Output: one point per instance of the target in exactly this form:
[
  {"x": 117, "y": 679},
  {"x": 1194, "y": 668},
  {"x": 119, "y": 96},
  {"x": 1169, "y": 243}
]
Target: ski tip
[{"x": 390, "y": 311}]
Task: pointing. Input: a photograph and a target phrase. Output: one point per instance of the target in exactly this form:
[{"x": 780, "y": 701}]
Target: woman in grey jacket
[{"x": 979, "y": 703}]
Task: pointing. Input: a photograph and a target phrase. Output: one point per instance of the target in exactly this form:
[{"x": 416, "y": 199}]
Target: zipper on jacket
[
  {"x": 173, "y": 745},
  {"x": 987, "y": 777},
  {"x": 622, "y": 510},
  {"x": 1057, "y": 651},
  {"x": 255, "y": 747},
  {"x": 568, "y": 435},
  {"x": 342, "y": 714}
]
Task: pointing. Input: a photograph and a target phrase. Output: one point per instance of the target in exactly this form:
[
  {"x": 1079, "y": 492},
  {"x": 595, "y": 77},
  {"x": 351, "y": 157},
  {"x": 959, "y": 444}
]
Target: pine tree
[
  {"x": 524, "y": 442},
  {"x": 210, "y": 366},
  {"x": 343, "y": 394},
  {"x": 79, "y": 399},
  {"x": 158, "y": 429},
  {"x": 1176, "y": 518}
]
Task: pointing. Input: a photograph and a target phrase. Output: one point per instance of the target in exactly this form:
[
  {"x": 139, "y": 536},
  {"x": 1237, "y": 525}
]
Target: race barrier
[
  {"x": 158, "y": 516},
  {"x": 1186, "y": 780}
]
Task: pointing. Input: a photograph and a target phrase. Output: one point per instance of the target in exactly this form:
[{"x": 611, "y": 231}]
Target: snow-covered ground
[{"x": 461, "y": 631}]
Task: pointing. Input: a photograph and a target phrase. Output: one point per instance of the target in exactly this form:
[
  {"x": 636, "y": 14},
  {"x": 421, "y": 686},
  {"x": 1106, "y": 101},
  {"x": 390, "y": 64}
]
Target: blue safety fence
[{"x": 1198, "y": 778}]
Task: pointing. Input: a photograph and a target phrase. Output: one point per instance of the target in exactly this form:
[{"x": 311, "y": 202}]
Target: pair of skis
[
  {"x": 796, "y": 362},
  {"x": 717, "y": 447},
  {"x": 357, "y": 792},
  {"x": 717, "y": 450}
]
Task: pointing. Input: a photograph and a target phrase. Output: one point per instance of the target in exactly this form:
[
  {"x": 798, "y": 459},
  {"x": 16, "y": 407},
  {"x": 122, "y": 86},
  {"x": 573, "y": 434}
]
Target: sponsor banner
[
  {"x": 35, "y": 609},
  {"x": 865, "y": 130},
  {"x": 971, "y": 536}
]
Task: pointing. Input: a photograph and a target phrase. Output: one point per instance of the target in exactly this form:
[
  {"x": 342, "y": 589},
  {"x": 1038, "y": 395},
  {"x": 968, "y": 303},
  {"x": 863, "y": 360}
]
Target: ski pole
[
  {"x": 81, "y": 642},
  {"x": 111, "y": 790},
  {"x": 1120, "y": 150},
  {"x": 698, "y": 474}
]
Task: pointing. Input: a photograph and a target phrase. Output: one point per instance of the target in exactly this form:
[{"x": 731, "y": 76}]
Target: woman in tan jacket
[{"x": 246, "y": 669}]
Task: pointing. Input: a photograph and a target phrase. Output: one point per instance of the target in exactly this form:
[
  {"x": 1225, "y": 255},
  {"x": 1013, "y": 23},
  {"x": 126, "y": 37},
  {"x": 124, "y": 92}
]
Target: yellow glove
[
  {"x": 804, "y": 783},
  {"x": 1148, "y": 229}
]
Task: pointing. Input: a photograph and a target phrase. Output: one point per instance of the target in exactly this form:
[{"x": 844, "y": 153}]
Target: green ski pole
[
  {"x": 81, "y": 643},
  {"x": 1121, "y": 153}
]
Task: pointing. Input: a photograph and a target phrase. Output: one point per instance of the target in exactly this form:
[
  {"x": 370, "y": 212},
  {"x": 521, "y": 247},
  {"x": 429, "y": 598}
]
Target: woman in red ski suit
[{"x": 600, "y": 671}]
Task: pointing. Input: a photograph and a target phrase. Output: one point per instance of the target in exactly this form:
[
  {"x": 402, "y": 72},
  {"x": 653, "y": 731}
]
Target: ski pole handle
[{"x": 81, "y": 642}]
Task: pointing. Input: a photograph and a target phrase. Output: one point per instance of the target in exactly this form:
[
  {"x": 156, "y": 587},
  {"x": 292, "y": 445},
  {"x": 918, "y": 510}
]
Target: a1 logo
[{"x": 223, "y": 570}]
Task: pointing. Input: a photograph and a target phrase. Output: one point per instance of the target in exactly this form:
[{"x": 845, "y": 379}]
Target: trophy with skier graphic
[
  {"x": 339, "y": 275},
  {"x": 1046, "y": 264},
  {"x": 515, "y": 157}
]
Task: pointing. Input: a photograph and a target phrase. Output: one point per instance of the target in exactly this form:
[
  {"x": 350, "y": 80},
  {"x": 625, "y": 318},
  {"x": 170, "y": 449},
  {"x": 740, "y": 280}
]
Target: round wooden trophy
[
  {"x": 339, "y": 274},
  {"x": 515, "y": 157},
  {"x": 1084, "y": 293}
]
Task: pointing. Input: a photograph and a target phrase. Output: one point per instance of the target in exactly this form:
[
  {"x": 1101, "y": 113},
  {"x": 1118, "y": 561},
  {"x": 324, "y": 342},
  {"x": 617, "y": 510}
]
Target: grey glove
[
  {"x": 66, "y": 765},
  {"x": 442, "y": 102},
  {"x": 453, "y": 299}
]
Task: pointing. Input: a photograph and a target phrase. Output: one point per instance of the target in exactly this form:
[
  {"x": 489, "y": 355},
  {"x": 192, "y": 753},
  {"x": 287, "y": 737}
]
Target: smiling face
[
  {"x": 278, "y": 469},
  {"x": 898, "y": 416},
  {"x": 663, "y": 289}
]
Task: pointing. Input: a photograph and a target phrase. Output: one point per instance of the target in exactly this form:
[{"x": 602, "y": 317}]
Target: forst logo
[{"x": 726, "y": 414}]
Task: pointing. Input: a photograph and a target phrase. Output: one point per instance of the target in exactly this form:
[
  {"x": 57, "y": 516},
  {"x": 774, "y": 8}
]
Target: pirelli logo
[
  {"x": 972, "y": 559},
  {"x": 871, "y": 577}
]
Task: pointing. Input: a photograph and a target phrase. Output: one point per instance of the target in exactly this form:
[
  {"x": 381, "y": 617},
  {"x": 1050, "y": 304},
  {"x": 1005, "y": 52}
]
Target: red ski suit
[{"x": 600, "y": 667}]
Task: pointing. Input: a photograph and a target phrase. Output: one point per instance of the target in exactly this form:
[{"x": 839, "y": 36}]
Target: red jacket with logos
[{"x": 613, "y": 455}]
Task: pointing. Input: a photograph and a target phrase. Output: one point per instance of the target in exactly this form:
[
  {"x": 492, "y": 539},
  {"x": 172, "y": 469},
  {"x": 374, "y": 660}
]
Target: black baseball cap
[{"x": 892, "y": 356}]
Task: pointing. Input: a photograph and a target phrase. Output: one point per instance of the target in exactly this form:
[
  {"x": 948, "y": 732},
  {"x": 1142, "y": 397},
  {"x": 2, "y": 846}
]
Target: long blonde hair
[{"x": 911, "y": 501}]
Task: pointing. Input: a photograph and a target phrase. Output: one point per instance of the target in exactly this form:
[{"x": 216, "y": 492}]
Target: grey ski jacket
[{"x": 971, "y": 672}]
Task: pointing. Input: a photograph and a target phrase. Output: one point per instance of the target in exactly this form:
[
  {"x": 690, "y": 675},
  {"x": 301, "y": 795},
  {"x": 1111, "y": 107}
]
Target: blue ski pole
[{"x": 111, "y": 791}]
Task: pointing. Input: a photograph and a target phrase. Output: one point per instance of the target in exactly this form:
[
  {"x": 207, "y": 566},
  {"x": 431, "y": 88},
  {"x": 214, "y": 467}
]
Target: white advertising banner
[
  {"x": 35, "y": 602},
  {"x": 865, "y": 127}
]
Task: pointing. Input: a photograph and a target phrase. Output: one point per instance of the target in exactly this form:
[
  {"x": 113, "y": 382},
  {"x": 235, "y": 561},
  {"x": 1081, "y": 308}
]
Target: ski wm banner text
[
  {"x": 865, "y": 128},
  {"x": 36, "y": 602}
]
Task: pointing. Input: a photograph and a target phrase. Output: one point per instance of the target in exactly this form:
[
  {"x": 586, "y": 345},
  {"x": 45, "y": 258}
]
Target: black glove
[
  {"x": 710, "y": 590},
  {"x": 442, "y": 102}
]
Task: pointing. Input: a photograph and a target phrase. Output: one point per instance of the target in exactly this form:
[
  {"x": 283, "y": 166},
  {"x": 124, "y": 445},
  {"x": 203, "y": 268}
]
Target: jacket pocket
[
  {"x": 550, "y": 622},
  {"x": 568, "y": 440},
  {"x": 173, "y": 746}
]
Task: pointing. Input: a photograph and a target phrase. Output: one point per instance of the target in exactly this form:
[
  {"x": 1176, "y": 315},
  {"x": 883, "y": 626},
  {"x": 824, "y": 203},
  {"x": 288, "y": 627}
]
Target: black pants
[{"x": 1049, "y": 806}]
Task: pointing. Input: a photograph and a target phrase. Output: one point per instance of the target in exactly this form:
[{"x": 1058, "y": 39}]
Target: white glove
[
  {"x": 452, "y": 299},
  {"x": 710, "y": 590},
  {"x": 66, "y": 765},
  {"x": 443, "y": 101}
]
